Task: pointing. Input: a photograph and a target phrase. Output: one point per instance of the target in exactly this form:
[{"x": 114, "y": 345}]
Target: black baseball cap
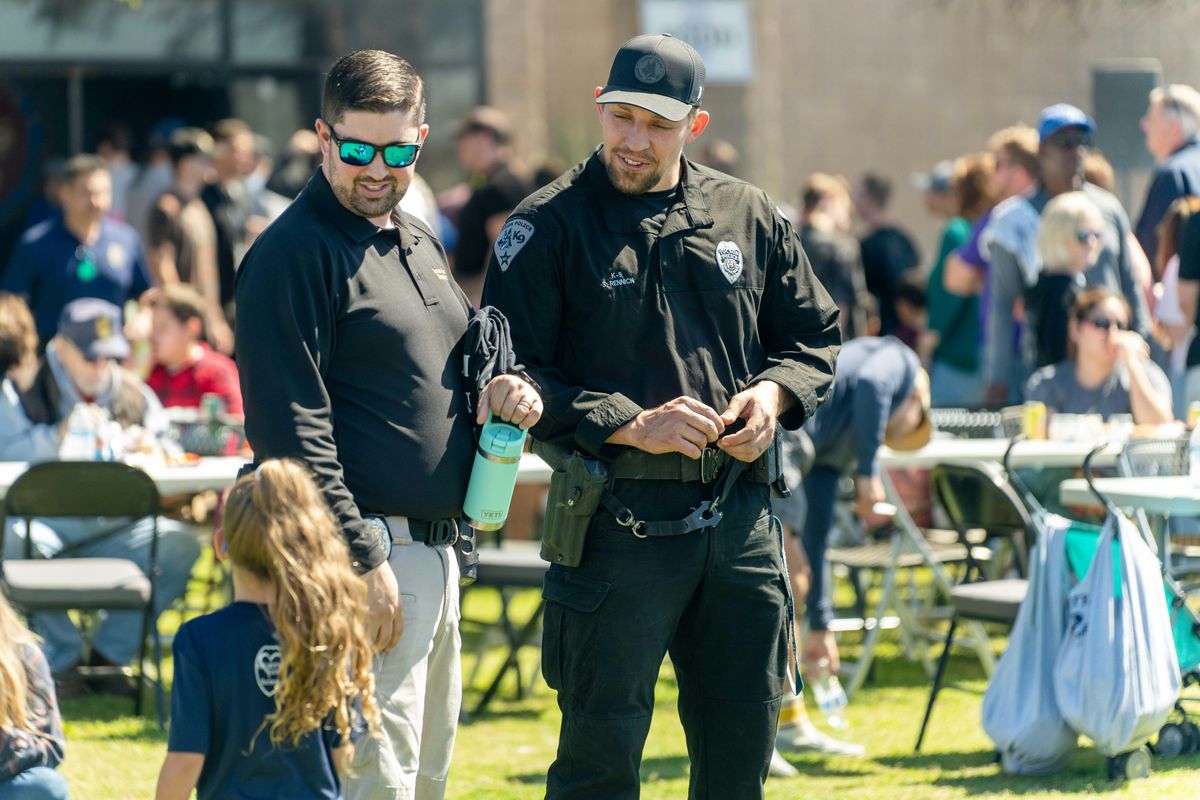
[
  {"x": 94, "y": 326},
  {"x": 656, "y": 72}
]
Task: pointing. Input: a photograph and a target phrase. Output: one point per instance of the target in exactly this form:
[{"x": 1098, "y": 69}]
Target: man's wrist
[{"x": 379, "y": 541}]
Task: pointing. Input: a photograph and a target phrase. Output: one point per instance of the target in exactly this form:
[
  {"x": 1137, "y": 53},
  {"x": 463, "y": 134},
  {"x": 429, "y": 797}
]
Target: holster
[
  {"x": 768, "y": 468},
  {"x": 576, "y": 486}
]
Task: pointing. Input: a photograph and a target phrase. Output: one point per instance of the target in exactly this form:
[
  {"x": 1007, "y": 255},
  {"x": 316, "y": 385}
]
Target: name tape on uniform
[{"x": 515, "y": 235}]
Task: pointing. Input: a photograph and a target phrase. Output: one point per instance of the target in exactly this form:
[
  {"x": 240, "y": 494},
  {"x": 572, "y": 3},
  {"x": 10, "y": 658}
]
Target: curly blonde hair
[
  {"x": 14, "y": 676},
  {"x": 279, "y": 529}
]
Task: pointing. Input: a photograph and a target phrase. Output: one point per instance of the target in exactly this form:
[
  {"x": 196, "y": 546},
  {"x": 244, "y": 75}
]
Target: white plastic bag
[
  {"x": 1020, "y": 712},
  {"x": 1117, "y": 678}
]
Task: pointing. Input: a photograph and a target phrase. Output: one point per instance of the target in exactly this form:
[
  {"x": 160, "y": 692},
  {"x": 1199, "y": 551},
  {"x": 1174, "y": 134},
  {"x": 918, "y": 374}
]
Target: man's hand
[
  {"x": 385, "y": 613},
  {"x": 512, "y": 400},
  {"x": 760, "y": 406},
  {"x": 821, "y": 645},
  {"x": 869, "y": 491},
  {"x": 682, "y": 425}
]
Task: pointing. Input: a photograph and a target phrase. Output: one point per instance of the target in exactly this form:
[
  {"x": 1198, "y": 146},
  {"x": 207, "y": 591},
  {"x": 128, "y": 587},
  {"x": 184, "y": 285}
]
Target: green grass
[{"x": 503, "y": 755}]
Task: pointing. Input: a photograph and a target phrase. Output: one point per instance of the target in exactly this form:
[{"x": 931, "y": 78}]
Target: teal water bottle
[{"x": 494, "y": 475}]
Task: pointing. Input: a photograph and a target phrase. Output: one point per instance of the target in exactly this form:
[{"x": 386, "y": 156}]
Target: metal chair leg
[
  {"x": 160, "y": 701},
  {"x": 139, "y": 673},
  {"x": 937, "y": 681},
  {"x": 872, "y": 628}
]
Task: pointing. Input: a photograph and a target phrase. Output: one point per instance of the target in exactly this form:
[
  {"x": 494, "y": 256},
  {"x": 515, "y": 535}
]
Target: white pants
[{"x": 418, "y": 683}]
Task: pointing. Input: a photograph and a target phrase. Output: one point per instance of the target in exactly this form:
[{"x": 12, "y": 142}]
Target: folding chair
[
  {"x": 1145, "y": 458},
  {"x": 514, "y": 567},
  {"x": 87, "y": 489},
  {"x": 886, "y": 557},
  {"x": 978, "y": 497}
]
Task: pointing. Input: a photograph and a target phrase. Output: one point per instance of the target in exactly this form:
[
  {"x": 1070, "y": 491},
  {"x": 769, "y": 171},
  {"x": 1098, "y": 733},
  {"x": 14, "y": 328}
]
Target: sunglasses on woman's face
[
  {"x": 1104, "y": 323},
  {"x": 359, "y": 154},
  {"x": 1086, "y": 237}
]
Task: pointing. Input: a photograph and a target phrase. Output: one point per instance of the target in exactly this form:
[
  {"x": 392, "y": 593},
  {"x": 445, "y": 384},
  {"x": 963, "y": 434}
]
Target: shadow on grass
[
  {"x": 115, "y": 715},
  {"x": 942, "y": 761},
  {"x": 897, "y": 672},
  {"x": 662, "y": 768},
  {"x": 982, "y": 775}
]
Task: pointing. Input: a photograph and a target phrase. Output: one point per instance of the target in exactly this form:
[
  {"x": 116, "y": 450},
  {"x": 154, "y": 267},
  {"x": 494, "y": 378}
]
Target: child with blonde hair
[
  {"x": 268, "y": 689},
  {"x": 31, "y": 733}
]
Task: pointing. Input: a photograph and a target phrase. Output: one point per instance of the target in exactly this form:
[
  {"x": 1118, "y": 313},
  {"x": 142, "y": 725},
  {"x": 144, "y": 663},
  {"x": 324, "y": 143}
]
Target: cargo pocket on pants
[{"x": 569, "y": 625}]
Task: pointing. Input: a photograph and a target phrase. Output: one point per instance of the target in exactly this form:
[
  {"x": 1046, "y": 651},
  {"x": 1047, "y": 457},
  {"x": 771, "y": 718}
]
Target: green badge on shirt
[{"x": 85, "y": 270}]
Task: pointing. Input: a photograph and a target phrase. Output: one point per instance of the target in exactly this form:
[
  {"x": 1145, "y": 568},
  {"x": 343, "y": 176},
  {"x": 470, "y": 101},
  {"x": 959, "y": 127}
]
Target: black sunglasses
[
  {"x": 1072, "y": 140},
  {"x": 1104, "y": 323},
  {"x": 360, "y": 154}
]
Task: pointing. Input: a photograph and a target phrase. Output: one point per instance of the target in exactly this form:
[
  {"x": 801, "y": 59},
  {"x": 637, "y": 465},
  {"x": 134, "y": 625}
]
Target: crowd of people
[{"x": 324, "y": 300}]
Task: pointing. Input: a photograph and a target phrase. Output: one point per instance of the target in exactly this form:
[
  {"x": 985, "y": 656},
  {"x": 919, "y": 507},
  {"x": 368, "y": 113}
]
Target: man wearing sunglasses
[
  {"x": 1064, "y": 134},
  {"x": 349, "y": 345},
  {"x": 673, "y": 321}
]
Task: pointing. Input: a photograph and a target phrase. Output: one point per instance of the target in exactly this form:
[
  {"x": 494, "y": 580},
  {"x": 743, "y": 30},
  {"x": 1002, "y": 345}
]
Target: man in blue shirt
[
  {"x": 880, "y": 396},
  {"x": 81, "y": 254},
  {"x": 1170, "y": 125}
]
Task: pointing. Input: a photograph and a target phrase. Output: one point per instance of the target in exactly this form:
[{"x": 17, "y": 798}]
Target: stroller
[{"x": 1178, "y": 736}]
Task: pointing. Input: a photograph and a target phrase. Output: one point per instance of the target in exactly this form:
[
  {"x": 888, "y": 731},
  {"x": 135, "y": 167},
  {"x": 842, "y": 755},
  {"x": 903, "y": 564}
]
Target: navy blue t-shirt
[
  {"x": 50, "y": 267},
  {"x": 226, "y": 676},
  {"x": 872, "y": 378}
]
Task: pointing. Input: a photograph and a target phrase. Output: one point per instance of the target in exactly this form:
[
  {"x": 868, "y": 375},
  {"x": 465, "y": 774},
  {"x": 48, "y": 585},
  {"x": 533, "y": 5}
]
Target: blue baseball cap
[
  {"x": 94, "y": 326},
  {"x": 1063, "y": 115}
]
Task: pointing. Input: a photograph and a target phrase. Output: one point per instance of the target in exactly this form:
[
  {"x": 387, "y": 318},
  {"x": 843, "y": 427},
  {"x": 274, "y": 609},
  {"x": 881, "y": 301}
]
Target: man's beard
[
  {"x": 364, "y": 206},
  {"x": 627, "y": 183}
]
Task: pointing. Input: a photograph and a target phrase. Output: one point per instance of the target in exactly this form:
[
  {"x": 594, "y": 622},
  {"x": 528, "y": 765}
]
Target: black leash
[{"x": 705, "y": 515}]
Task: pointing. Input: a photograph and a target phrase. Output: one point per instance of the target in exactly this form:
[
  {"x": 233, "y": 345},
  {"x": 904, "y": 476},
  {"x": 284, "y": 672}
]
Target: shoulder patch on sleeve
[{"x": 515, "y": 235}]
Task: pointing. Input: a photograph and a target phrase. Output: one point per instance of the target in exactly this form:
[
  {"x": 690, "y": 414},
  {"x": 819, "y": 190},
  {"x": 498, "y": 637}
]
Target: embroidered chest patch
[
  {"x": 729, "y": 259},
  {"x": 516, "y": 234},
  {"x": 266, "y": 669}
]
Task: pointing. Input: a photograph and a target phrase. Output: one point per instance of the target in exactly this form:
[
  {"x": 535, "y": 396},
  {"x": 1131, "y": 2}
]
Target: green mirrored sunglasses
[{"x": 360, "y": 154}]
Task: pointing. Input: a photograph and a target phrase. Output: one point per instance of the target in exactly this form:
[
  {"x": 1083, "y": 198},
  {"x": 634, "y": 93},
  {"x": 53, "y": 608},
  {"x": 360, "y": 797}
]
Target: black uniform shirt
[
  {"x": 349, "y": 345},
  {"x": 611, "y": 318}
]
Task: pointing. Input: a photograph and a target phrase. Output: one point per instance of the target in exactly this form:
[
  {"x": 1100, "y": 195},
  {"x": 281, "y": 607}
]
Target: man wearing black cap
[
  {"x": 672, "y": 320},
  {"x": 80, "y": 374}
]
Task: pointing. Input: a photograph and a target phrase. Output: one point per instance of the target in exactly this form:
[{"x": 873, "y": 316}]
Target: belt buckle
[
  {"x": 710, "y": 464},
  {"x": 442, "y": 532}
]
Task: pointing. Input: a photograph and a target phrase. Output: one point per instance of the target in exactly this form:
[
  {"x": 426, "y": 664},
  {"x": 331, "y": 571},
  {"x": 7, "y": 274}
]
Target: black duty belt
[
  {"x": 638, "y": 465},
  {"x": 434, "y": 533}
]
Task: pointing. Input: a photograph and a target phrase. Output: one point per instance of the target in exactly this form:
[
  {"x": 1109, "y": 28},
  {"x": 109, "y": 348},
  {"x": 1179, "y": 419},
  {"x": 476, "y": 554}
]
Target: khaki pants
[{"x": 418, "y": 684}]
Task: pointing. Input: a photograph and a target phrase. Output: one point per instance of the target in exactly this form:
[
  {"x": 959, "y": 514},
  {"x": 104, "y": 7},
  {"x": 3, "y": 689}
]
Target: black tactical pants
[{"x": 713, "y": 599}]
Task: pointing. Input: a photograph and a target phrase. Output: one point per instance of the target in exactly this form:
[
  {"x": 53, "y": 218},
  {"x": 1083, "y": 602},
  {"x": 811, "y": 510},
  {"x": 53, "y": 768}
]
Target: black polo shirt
[
  {"x": 349, "y": 345},
  {"x": 612, "y": 315}
]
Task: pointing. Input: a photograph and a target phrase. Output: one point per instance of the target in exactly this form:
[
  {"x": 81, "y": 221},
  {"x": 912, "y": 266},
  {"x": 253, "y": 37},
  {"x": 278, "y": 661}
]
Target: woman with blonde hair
[
  {"x": 1068, "y": 244},
  {"x": 269, "y": 690},
  {"x": 31, "y": 733}
]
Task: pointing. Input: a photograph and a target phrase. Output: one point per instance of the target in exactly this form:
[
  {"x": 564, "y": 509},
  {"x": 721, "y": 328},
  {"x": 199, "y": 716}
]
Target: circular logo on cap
[{"x": 649, "y": 69}]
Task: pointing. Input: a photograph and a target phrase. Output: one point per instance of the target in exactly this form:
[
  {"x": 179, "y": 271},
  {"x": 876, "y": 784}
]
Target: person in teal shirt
[{"x": 952, "y": 346}]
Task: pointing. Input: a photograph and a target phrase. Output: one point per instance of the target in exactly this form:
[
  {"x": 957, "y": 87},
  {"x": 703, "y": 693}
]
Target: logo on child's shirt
[{"x": 266, "y": 669}]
